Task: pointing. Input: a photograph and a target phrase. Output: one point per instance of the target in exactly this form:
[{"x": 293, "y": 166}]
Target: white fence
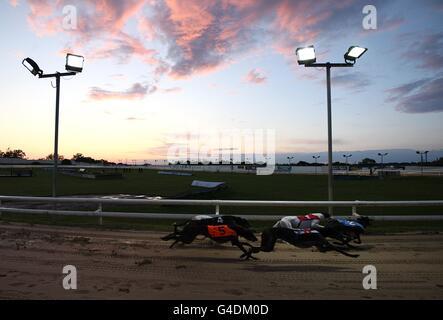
[
  {"x": 217, "y": 204},
  {"x": 236, "y": 168}
]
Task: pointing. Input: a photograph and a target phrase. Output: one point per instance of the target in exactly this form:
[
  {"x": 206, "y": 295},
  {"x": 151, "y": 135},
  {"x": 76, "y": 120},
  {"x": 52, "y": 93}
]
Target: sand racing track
[{"x": 137, "y": 265}]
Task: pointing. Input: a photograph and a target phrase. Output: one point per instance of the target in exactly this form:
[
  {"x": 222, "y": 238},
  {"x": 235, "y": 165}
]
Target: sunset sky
[{"x": 158, "y": 71}]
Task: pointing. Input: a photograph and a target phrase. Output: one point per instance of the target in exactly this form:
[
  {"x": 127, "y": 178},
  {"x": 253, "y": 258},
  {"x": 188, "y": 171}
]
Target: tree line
[{"x": 78, "y": 157}]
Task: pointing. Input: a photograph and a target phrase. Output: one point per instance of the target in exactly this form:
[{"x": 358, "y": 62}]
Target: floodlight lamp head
[
  {"x": 74, "y": 62},
  {"x": 32, "y": 66},
  {"x": 306, "y": 55},
  {"x": 353, "y": 53}
]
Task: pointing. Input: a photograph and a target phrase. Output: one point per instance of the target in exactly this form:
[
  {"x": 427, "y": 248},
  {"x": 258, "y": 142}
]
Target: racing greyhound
[
  {"x": 345, "y": 230},
  {"x": 302, "y": 238},
  {"x": 221, "y": 229}
]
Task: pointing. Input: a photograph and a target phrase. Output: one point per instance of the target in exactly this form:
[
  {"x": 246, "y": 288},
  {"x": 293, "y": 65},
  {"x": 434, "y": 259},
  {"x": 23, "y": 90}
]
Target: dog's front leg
[{"x": 247, "y": 254}]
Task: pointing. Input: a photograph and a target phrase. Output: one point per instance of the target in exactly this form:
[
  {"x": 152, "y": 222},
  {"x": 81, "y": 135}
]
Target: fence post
[{"x": 217, "y": 209}]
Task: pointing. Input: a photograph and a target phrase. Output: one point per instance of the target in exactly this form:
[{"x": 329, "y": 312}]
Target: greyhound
[
  {"x": 221, "y": 229},
  {"x": 301, "y": 238},
  {"x": 346, "y": 230}
]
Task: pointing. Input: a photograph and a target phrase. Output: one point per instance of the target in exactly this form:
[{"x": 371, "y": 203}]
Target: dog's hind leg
[
  {"x": 350, "y": 246},
  {"x": 358, "y": 240},
  {"x": 174, "y": 243},
  {"x": 344, "y": 252},
  {"x": 176, "y": 225},
  {"x": 329, "y": 247},
  {"x": 324, "y": 245},
  {"x": 345, "y": 243},
  {"x": 169, "y": 236}
]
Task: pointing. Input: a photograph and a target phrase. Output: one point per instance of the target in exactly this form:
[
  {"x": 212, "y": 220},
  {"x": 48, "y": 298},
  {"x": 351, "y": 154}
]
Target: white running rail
[{"x": 217, "y": 204}]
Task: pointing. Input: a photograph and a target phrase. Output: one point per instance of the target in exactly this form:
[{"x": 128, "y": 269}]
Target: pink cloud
[
  {"x": 198, "y": 36},
  {"x": 136, "y": 91},
  {"x": 172, "y": 90},
  {"x": 392, "y": 23},
  {"x": 41, "y": 18},
  {"x": 255, "y": 76}
]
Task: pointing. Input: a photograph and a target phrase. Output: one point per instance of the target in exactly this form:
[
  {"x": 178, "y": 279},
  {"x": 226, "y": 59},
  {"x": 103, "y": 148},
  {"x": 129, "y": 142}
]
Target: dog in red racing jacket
[{"x": 220, "y": 229}]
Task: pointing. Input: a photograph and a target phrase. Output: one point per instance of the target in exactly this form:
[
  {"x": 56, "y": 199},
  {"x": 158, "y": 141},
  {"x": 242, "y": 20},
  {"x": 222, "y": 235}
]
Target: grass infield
[{"x": 240, "y": 187}]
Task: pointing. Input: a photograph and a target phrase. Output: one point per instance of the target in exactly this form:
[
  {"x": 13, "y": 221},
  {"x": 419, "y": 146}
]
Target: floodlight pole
[
  {"x": 347, "y": 165},
  {"x": 382, "y": 155},
  {"x": 315, "y": 159},
  {"x": 328, "y": 67},
  {"x": 421, "y": 158},
  {"x": 57, "y": 77}
]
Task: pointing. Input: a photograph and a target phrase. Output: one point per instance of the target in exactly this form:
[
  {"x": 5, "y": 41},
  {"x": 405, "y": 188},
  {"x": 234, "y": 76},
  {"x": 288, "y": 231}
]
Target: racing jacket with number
[{"x": 309, "y": 221}]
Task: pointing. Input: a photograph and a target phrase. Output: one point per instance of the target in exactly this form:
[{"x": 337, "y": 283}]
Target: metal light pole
[
  {"x": 347, "y": 157},
  {"x": 382, "y": 155},
  {"x": 306, "y": 57},
  {"x": 328, "y": 67},
  {"x": 57, "y": 77},
  {"x": 74, "y": 64},
  {"x": 421, "y": 158},
  {"x": 315, "y": 159}
]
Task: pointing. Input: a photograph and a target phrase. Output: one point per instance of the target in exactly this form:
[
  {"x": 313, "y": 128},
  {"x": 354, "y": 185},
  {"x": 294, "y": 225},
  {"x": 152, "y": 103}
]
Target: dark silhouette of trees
[
  {"x": 79, "y": 157},
  {"x": 51, "y": 157},
  {"x": 368, "y": 161},
  {"x": 18, "y": 153},
  {"x": 438, "y": 162}
]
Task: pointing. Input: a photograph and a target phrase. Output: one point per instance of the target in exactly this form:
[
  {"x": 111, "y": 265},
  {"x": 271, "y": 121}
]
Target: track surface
[{"x": 137, "y": 265}]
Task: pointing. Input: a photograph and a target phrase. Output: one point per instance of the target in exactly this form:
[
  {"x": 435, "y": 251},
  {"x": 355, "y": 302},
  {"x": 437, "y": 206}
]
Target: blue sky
[{"x": 158, "y": 70}]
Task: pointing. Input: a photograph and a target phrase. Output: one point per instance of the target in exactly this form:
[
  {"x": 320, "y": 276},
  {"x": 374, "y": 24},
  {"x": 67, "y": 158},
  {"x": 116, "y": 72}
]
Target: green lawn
[{"x": 240, "y": 186}]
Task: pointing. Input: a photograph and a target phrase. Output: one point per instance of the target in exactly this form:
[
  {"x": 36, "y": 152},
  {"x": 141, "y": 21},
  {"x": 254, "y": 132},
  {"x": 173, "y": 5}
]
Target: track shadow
[
  {"x": 234, "y": 259},
  {"x": 361, "y": 247},
  {"x": 295, "y": 268}
]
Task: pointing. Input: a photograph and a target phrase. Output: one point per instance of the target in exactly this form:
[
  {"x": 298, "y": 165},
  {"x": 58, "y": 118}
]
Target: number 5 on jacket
[{"x": 221, "y": 231}]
